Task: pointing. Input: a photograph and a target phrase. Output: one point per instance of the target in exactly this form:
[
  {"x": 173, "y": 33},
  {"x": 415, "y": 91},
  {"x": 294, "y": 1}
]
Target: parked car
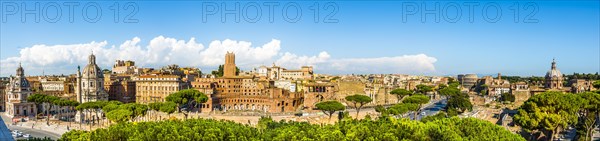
[
  {"x": 301, "y": 114},
  {"x": 27, "y": 136},
  {"x": 15, "y": 134}
]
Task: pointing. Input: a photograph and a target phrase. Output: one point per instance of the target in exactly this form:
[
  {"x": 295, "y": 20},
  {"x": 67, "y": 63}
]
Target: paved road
[
  {"x": 28, "y": 130},
  {"x": 35, "y": 132},
  {"x": 431, "y": 109}
]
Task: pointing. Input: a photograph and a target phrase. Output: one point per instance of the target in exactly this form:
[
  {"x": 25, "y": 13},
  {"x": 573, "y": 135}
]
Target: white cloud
[
  {"x": 245, "y": 54},
  {"x": 161, "y": 51},
  {"x": 293, "y": 61},
  {"x": 414, "y": 64}
]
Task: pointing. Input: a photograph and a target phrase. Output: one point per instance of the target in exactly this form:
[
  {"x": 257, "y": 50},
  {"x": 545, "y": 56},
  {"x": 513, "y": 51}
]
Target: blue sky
[{"x": 364, "y": 32}]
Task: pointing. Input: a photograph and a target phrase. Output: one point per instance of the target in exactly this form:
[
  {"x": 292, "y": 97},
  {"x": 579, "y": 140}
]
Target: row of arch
[
  {"x": 252, "y": 107},
  {"x": 244, "y": 100}
]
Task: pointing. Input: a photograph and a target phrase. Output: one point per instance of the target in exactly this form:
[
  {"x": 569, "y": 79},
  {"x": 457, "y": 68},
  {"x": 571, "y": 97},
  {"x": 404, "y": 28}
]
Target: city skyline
[
  {"x": 299, "y": 70},
  {"x": 410, "y": 46}
]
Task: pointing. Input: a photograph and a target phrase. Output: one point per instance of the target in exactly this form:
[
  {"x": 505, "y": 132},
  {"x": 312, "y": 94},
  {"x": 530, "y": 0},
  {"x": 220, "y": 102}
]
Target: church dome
[
  {"x": 19, "y": 81},
  {"x": 553, "y": 72},
  {"x": 92, "y": 70}
]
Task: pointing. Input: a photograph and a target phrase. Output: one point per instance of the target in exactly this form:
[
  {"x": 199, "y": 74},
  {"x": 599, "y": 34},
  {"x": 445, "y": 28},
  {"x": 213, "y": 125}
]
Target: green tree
[
  {"x": 80, "y": 109},
  {"x": 264, "y": 122},
  {"x": 92, "y": 107},
  {"x": 460, "y": 103},
  {"x": 483, "y": 89},
  {"x": 358, "y": 101},
  {"x": 596, "y": 84},
  {"x": 71, "y": 104},
  {"x": 155, "y": 107},
  {"x": 417, "y": 99},
  {"x": 402, "y": 108},
  {"x": 119, "y": 115},
  {"x": 168, "y": 107},
  {"x": 424, "y": 89},
  {"x": 64, "y": 103},
  {"x": 330, "y": 107},
  {"x": 97, "y": 108},
  {"x": 380, "y": 129},
  {"x": 46, "y": 101},
  {"x": 453, "y": 83},
  {"x": 588, "y": 112},
  {"x": 438, "y": 116},
  {"x": 549, "y": 112},
  {"x": 136, "y": 109},
  {"x": 37, "y": 99},
  {"x": 400, "y": 93},
  {"x": 449, "y": 91},
  {"x": 110, "y": 107},
  {"x": 507, "y": 97},
  {"x": 382, "y": 110},
  {"x": 185, "y": 98},
  {"x": 106, "y": 71}
]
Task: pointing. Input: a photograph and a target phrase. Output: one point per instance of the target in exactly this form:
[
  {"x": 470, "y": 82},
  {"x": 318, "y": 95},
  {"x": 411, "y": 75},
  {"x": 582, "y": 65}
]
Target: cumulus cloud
[
  {"x": 413, "y": 64},
  {"x": 293, "y": 60},
  {"x": 161, "y": 51}
]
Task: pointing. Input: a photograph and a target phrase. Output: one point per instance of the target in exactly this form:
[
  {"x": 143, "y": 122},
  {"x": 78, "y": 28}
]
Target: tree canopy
[
  {"x": 168, "y": 107},
  {"x": 596, "y": 84},
  {"x": 184, "y": 98},
  {"x": 548, "y": 112},
  {"x": 418, "y": 100},
  {"x": 449, "y": 91},
  {"x": 381, "y": 129},
  {"x": 403, "y": 108},
  {"x": 588, "y": 113},
  {"x": 330, "y": 107},
  {"x": 400, "y": 93},
  {"x": 507, "y": 97},
  {"x": 459, "y": 103},
  {"x": 424, "y": 89},
  {"x": 49, "y": 100},
  {"x": 358, "y": 101},
  {"x": 119, "y": 115}
]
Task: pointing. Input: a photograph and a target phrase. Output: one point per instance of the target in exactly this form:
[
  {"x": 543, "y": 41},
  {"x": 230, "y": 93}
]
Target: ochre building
[{"x": 245, "y": 93}]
